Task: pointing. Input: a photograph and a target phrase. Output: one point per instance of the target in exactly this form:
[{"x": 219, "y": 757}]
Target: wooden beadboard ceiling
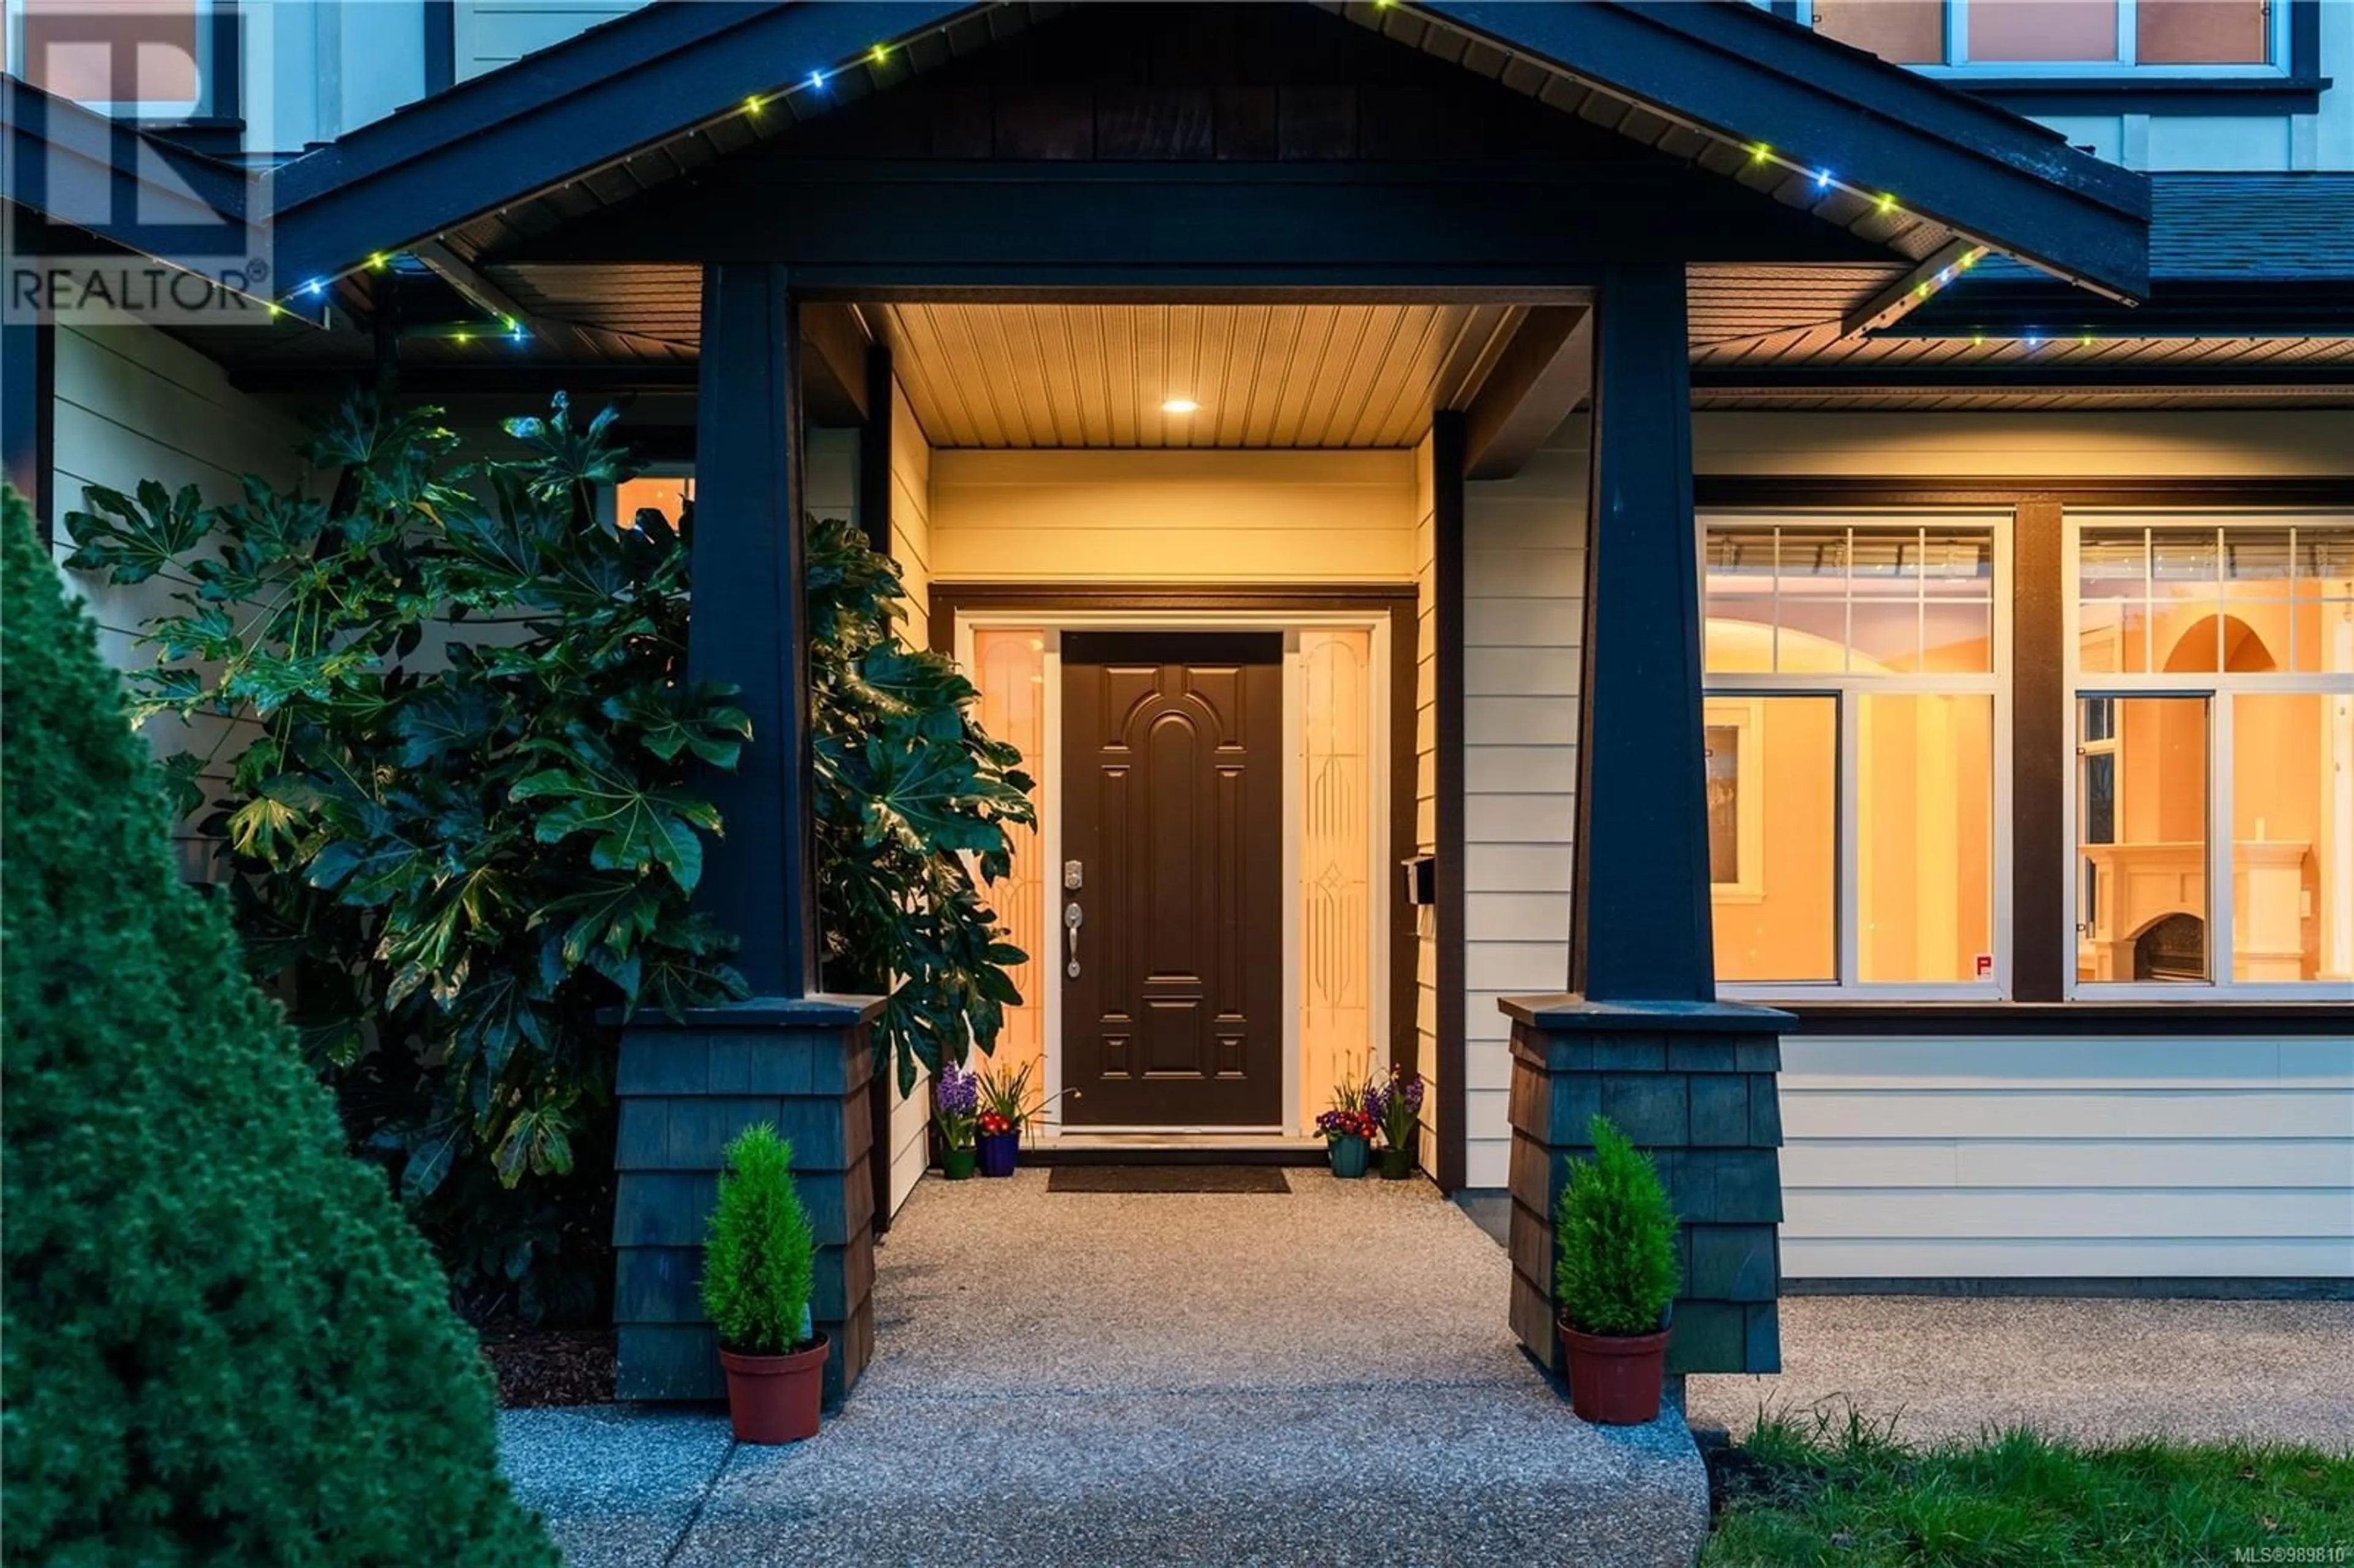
[{"x": 1265, "y": 376}]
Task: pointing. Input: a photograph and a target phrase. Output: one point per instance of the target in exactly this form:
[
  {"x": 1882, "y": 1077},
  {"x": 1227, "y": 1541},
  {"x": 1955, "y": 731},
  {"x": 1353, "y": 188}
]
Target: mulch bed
[{"x": 551, "y": 1366}]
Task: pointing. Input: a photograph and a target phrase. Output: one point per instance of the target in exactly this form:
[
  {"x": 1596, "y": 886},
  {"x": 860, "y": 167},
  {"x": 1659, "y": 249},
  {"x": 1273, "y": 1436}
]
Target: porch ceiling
[{"x": 1263, "y": 375}]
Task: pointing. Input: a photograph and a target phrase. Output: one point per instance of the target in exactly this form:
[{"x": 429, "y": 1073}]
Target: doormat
[{"x": 1167, "y": 1179}]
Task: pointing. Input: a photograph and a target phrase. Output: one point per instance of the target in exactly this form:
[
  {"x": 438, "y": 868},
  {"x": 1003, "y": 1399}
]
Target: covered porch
[
  {"x": 742, "y": 234},
  {"x": 1312, "y": 1375}
]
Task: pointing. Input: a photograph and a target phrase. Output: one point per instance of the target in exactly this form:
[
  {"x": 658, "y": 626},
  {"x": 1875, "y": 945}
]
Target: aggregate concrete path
[
  {"x": 2099, "y": 1371},
  {"x": 1322, "y": 1377}
]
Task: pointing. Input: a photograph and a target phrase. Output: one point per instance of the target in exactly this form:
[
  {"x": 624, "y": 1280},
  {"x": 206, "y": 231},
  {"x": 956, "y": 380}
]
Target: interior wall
[{"x": 1173, "y": 516}]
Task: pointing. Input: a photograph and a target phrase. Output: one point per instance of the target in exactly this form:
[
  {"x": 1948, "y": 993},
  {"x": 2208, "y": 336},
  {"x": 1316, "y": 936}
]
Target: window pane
[
  {"x": 1910, "y": 32},
  {"x": 1740, "y": 612},
  {"x": 1959, "y": 638},
  {"x": 2043, "y": 30},
  {"x": 1009, "y": 666},
  {"x": 2292, "y": 837},
  {"x": 2143, "y": 846},
  {"x": 127, "y": 52},
  {"x": 1924, "y": 845},
  {"x": 2325, "y": 599},
  {"x": 668, "y": 496},
  {"x": 2200, "y": 32},
  {"x": 1774, "y": 793}
]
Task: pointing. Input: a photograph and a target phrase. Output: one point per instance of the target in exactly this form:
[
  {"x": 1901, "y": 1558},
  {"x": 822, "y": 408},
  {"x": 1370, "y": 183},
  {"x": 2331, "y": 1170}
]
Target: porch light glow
[{"x": 1179, "y": 406}]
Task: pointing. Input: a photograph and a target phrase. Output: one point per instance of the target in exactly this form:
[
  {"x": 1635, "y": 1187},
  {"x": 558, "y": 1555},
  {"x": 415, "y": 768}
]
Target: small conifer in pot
[
  {"x": 758, "y": 1268},
  {"x": 1615, "y": 1277}
]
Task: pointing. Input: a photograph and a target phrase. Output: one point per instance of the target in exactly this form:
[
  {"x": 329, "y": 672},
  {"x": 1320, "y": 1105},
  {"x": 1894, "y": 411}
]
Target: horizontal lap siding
[
  {"x": 1525, "y": 579},
  {"x": 493, "y": 33},
  {"x": 911, "y": 546},
  {"x": 1971, "y": 1157},
  {"x": 133, "y": 404},
  {"x": 1174, "y": 516}
]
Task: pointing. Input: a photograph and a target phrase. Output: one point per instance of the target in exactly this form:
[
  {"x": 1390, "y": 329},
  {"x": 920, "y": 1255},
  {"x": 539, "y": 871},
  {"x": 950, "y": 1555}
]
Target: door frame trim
[{"x": 1389, "y": 608}]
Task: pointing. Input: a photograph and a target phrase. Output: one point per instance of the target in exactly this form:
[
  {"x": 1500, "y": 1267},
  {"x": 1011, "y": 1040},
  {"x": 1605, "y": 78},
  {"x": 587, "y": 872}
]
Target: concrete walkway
[
  {"x": 1069, "y": 1378},
  {"x": 2098, "y": 1371}
]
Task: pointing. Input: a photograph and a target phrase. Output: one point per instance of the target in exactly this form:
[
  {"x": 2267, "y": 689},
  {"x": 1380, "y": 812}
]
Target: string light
[
  {"x": 817, "y": 82},
  {"x": 752, "y": 104},
  {"x": 880, "y": 53},
  {"x": 1760, "y": 152},
  {"x": 314, "y": 288},
  {"x": 375, "y": 261},
  {"x": 1887, "y": 203},
  {"x": 1822, "y": 179}
]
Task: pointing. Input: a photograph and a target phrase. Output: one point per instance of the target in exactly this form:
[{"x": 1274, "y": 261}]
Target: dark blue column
[
  {"x": 749, "y": 624},
  {"x": 1639, "y": 911}
]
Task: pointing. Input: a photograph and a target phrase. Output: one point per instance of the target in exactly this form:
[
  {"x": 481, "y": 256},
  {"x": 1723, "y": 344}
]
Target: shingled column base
[
  {"x": 1692, "y": 1083},
  {"x": 686, "y": 1087}
]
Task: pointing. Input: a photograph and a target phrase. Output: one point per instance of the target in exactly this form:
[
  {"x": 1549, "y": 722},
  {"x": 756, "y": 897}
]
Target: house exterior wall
[
  {"x": 133, "y": 404},
  {"x": 1177, "y": 515},
  {"x": 1426, "y": 1000},
  {"x": 1523, "y": 619},
  {"x": 911, "y": 546},
  {"x": 2153, "y": 1156}
]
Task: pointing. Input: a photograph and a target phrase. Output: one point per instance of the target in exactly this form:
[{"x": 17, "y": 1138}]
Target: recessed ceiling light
[{"x": 1179, "y": 406}]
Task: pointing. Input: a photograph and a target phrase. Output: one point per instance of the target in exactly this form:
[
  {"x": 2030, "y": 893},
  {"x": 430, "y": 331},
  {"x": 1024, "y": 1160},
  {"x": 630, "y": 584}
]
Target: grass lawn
[{"x": 1845, "y": 1491}]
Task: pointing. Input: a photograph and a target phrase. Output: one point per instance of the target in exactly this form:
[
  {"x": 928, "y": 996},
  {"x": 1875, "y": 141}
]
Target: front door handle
[{"x": 1073, "y": 919}]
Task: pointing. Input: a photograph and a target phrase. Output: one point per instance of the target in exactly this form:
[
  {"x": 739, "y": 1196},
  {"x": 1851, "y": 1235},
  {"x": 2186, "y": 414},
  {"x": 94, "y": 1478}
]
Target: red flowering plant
[
  {"x": 1008, "y": 1101},
  {"x": 1350, "y": 1116}
]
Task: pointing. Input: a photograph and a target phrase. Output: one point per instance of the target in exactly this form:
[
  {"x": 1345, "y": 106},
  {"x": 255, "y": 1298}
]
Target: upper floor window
[
  {"x": 146, "y": 59},
  {"x": 2064, "y": 37}
]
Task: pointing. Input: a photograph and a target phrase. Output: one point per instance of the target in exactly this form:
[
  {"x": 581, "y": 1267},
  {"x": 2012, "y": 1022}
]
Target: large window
[
  {"x": 2212, "y": 667},
  {"x": 2040, "y": 37},
  {"x": 1853, "y": 721}
]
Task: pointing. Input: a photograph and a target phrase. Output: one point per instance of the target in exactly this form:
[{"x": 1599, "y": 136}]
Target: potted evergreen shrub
[
  {"x": 956, "y": 1106},
  {"x": 756, "y": 1271},
  {"x": 1615, "y": 1276}
]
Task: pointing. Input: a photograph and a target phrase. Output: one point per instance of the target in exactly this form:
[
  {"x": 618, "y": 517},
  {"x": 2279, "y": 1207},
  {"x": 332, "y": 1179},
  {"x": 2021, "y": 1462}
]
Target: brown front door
[{"x": 1172, "y": 819}]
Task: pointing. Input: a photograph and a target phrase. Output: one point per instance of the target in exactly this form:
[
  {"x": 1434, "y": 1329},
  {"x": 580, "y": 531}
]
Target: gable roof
[{"x": 1893, "y": 156}]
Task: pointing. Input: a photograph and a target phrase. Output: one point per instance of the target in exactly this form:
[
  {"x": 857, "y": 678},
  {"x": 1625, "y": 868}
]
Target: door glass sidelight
[{"x": 2144, "y": 909}]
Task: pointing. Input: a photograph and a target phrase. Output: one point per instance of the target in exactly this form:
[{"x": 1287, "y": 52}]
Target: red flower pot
[
  {"x": 1615, "y": 1379},
  {"x": 775, "y": 1399}
]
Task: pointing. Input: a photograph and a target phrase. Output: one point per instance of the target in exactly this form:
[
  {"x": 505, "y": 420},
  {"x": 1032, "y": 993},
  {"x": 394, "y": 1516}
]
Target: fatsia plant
[
  {"x": 913, "y": 804},
  {"x": 453, "y": 774}
]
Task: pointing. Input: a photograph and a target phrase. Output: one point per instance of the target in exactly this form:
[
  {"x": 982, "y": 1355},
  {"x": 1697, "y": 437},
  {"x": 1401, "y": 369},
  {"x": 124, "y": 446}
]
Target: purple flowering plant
[
  {"x": 956, "y": 1103},
  {"x": 1398, "y": 1106}
]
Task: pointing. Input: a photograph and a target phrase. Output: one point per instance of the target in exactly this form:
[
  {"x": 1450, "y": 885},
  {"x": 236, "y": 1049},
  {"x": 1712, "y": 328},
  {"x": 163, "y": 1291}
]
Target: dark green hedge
[{"x": 222, "y": 1342}]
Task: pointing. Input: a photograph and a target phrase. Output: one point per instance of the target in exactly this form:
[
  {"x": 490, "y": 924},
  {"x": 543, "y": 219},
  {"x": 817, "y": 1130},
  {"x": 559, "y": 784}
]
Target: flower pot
[
  {"x": 1397, "y": 1164},
  {"x": 1348, "y": 1157},
  {"x": 956, "y": 1164},
  {"x": 1614, "y": 1379},
  {"x": 997, "y": 1152},
  {"x": 775, "y": 1399}
]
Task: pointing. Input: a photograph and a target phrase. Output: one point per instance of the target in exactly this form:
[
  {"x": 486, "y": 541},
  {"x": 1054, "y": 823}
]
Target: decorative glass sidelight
[
  {"x": 1336, "y": 742},
  {"x": 1010, "y": 668}
]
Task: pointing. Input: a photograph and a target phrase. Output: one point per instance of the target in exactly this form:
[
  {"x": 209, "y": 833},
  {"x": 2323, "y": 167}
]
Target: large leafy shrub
[
  {"x": 222, "y": 1343},
  {"x": 761, "y": 1256},
  {"x": 461, "y": 815},
  {"x": 1615, "y": 1266},
  {"x": 913, "y": 800},
  {"x": 465, "y": 824}
]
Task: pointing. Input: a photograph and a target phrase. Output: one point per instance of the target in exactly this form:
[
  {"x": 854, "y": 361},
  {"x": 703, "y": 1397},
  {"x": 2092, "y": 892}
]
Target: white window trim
[
  {"x": 2218, "y": 689},
  {"x": 1848, "y": 691},
  {"x": 1958, "y": 66}
]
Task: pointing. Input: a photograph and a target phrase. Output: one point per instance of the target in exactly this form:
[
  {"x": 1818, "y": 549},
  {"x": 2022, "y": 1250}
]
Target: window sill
[{"x": 2185, "y": 1017}]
